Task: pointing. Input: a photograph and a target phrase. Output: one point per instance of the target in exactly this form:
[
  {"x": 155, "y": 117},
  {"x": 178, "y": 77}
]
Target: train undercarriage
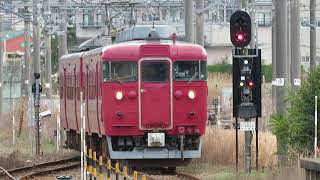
[{"x": 135, "y": 152}]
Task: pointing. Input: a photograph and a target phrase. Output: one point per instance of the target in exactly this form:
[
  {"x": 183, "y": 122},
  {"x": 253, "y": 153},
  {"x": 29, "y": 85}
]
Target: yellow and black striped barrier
[
  {"x": 124, "y": 173},
  {"x": 117, "y": 171},
  {"x": 90, "y": 163},
  {"x": 135, "y": 175},
  {"x": 93, "y": 164},
  {"x": 109, "y": 169},
  {"x": 100, "y": 168}
]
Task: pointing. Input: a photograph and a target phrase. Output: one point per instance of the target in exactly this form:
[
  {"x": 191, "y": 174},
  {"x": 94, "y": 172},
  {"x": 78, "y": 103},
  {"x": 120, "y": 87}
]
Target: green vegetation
[
  {"x": 295, "y": 130},
  {"x": 227, "y": 68}
]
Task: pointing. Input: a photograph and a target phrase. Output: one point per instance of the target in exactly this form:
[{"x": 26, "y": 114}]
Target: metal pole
[
  {"x": 295, "y": 43},
  {"x": 313, "y": 35},
  {"x": 274, "y": 57},
  {"x": 1, "y": 67},
  {"x": 63, "y": 49},
  {"x": 81, "y": 136},
  {"x": 200, "y": 23},
  {"x": 13, "y": 125},
  {"x": 257, "y": 144},
  {"x": 58, "y": 130},
  {"x": 247, "y": 149},
  {"x": 188, "y": 21},
  {"x": 26, "y": 76},
  {"x": 36, "y": 63},
  {"x": 281, "y": 53},
  {"x": 315, "y": 126},
  {"x": 244, "y": 4},
  {"x": 237, "y": 146},
  {"x": 48, "y": 66}
]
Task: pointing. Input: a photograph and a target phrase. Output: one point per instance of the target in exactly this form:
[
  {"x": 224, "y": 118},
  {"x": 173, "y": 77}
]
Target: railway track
[
  {"x": 186, "y": 176},
  {"x": 159, "y": 173},
  {"x": 40, "y": 169}
]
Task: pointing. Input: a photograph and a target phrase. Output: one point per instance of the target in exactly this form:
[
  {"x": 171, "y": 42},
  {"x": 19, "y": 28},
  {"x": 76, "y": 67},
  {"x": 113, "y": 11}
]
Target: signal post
[{"x": 246, "y": 83}]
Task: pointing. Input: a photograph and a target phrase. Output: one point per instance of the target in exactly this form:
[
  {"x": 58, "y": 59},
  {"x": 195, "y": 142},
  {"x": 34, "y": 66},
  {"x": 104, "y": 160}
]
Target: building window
[
  {"x": 88, "y": 19},
  {"x": 264, "y": 19},
  {"x": 99, "y": 19}
]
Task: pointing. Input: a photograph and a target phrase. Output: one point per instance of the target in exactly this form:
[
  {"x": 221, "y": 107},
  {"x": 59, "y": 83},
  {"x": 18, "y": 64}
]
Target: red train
[{"x": 145, "y": 100}]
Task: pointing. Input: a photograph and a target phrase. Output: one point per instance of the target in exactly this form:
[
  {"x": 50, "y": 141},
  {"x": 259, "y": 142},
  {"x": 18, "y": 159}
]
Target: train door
[{"x": 155, "y": 110}]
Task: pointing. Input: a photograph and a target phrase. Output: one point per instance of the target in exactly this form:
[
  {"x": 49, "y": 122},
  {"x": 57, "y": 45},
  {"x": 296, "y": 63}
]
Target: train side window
[
  {"x": 106, "y": 71},
  {"x": 203, "y": 70}
]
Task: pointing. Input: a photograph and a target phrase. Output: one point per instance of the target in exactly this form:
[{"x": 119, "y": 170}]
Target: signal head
[{"x": 240, "y": 29}]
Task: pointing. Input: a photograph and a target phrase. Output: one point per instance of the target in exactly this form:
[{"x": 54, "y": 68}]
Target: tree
[{"x": 296, "y": 129}]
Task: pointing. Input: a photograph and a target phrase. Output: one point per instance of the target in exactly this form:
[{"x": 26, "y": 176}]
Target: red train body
[{"x": 144, "y": 99}]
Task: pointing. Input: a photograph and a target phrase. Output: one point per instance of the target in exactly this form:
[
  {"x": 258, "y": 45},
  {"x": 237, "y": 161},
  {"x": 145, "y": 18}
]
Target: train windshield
[
  {"x": 119, "y": 71},
  {"x": 189, "y": 71}
]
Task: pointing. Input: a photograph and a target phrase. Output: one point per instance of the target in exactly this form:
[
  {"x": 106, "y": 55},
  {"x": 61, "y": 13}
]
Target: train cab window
[
  {"x": 119, "y": 71},
  {"x": 189, "y": 70},
  {"x": 155, "y": 71}
]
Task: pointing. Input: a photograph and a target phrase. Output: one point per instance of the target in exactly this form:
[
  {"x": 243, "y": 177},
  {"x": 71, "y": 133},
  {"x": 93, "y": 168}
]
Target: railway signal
[
  {"x": 247, "y": 86},
  {"x": 240, "y": 29}
]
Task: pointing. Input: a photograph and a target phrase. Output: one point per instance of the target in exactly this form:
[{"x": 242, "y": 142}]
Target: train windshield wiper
[
  {"x": 193, "y": 77},
  {"x": 117, "y": 78}
]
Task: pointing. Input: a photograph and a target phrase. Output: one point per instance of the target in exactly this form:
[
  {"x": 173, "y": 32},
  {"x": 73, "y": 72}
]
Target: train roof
[{"x": 135, "y": 50}]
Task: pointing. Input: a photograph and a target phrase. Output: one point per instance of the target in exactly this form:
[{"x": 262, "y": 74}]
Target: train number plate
[{"x": 156, "y": 139}]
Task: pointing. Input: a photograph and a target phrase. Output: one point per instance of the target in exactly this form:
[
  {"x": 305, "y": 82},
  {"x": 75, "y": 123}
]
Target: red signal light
[
  {"x": 240, "y": 37},
  {"x": 251, "y": 83}
]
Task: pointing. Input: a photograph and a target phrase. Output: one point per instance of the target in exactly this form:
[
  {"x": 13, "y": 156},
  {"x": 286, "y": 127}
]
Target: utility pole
[
  {"x": 313, "y": 35},
  {"x": 36, "y": 66},
  {"x": 26, "y": 75},
  {"x": 281, "y": 65},
  {"x": 48, "y": 66},
  {"x": 200, "y": 23},
  {"x": 295, "y": 43},
  {"x": 63, "y": 49},
  {"x": 188, "y": 20},
  {"x": 1, "y": 68},
  {"x": 274, "y": 48},
  {"x": 281, "y": 53}
]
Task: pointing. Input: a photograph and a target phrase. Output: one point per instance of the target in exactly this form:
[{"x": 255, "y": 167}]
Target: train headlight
[
  {"x": 119, "y": 95},
  {"x": 191, "y": 94}
]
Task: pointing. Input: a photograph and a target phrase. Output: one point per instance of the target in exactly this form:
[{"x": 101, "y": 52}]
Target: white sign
[
  {"x": 156, "y": 139},
  {"x": 274, "y": 82},
  {"x": 45, "y": 114},
  {"x": 248, "y": 126},
  {"x": 279, "y": 81},
  {"x": 297, "y": 82}
]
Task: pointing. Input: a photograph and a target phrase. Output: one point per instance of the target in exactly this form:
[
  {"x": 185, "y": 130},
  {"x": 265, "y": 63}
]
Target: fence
[{"x": 94, "y": 169}]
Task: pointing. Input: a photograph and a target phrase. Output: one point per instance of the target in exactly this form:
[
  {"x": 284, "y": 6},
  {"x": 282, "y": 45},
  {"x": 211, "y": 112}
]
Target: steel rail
[
  {"x": 36, "y": 169},
  {"x": 7, "y": 173},
  {"x": 41, "y": 165},
  {"x": 185, "y": 175},
  {"x": 50, "y": 170}
]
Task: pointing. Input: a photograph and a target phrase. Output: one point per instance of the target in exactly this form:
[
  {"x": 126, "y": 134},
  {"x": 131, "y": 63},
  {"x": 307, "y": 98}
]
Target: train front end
[{"x": 154, "y": 101}]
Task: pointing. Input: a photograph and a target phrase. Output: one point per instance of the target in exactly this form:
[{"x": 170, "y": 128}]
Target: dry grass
[
  {"x": 219, "y": 148},
  {"x": 218, "y": 81}
]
